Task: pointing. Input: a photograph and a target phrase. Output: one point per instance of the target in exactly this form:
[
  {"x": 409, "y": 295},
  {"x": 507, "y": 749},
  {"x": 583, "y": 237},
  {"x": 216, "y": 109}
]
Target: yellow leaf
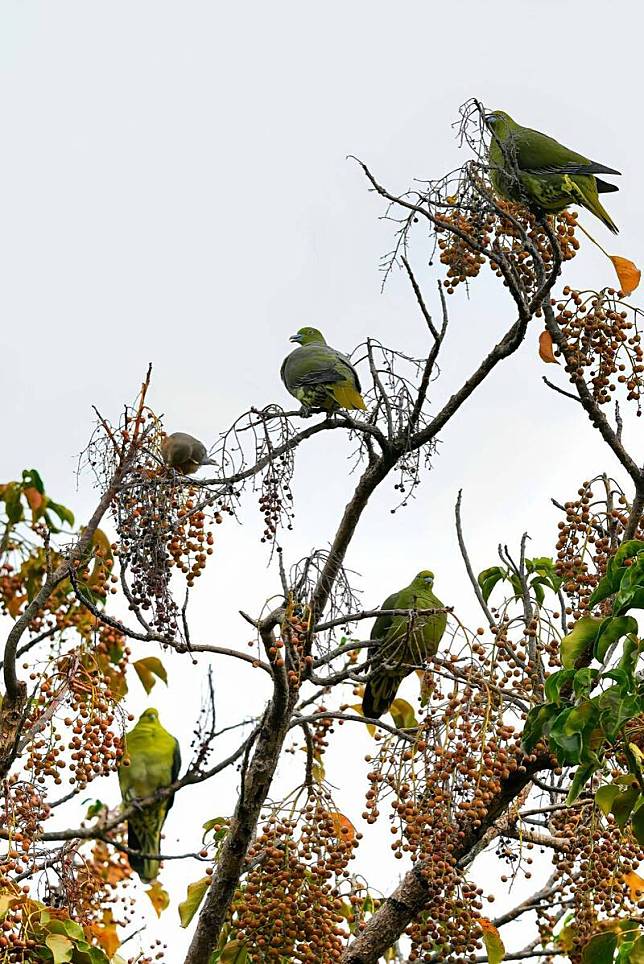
[
  {"x": 234, "y": 953},
  {"x": 635, "y": 885},
  {"x": 196, "y": 893},
  {"x": 61, "y": 947},
  {"x": 149, "y": 668},
  {"x": 492, "y": 940},
  {"x": 357, "y": 707},
  {"x": 159, "y": 898},
  {"x": 546, "y": 352},
  {"x": 403, "y": 715},
  {"x": 628, "y": 273},
  {"x": 343, "y": 827}
]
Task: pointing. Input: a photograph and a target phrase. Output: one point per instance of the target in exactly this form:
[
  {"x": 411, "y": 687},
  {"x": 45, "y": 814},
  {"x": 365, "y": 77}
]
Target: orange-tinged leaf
[
  {"x": 105, "y": 934},
  {"x": 492, "y": 940},
  {"x": 342, "y": 826},
  {"x": 628, "y": 273},
  {"x": 546, "y": 352},
  {"x": 159, "y": 898},
  {"x": 635, "y": 885},
  {"x": 33, "y": 497}
]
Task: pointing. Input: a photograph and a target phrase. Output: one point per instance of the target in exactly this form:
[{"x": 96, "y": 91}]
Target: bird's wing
[
  {"x": 316, "y": 365},
  {"x": 383, "y": 623},
  {"x": 174, "y": 773},
  {"x": 540, "y": 154}
]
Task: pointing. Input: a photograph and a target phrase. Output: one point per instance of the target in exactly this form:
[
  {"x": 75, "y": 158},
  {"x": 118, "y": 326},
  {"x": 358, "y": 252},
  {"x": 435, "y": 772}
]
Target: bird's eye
[{"x": 490, "y": 119}]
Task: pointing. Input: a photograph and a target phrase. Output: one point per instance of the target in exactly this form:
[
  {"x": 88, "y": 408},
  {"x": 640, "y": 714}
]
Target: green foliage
[
  {"x": 57, "y": 939},
  {"x": 587, "y": 709},
  {"x": 541, "y": 575}
]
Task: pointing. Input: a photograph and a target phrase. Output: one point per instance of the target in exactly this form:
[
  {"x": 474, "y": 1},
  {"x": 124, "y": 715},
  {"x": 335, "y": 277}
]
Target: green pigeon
[
  {"x": 154, "y": 762},
  {"x": 531, "y": 167},
  {"x": 319, "y": 377},
  {"x": 402, "y": 649},
  {"x": 184, "y": 452}
]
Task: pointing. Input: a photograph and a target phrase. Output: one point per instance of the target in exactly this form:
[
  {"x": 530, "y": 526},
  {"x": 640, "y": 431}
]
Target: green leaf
[
  {"x": 234, "y": 953},
  {"x": 637, "y": 952},
  {"x": 221, "y": 822},
  {"x": 31, "y": 477},
  {"x": 605, "y": 797},
  {"x": 568, "y": 729},
  {"x": 623, "y": 805},
  {"x": 12, "y": 503},
  {"x": 584, "y": 680},
  {"x": 148, "y": 669},
  {"x": 488, "y": 579},
  {"x": 627, "y": 550},
  {"x": 196, "y": 893},
  {"x": 61, "y": 947},
  {"x": 612, "y": 629},
  {"x": 63, "y": 513},
  {"x": 600, "y": 949},
  {"x": 555, "y": 682},
  {"x": 579, "y": 640},
  {"x": 637, "y": 823},
  {"x": 580, "y": 779},
  {"x": 536, "y": 723},
  {"x": 68, "y": 928}
]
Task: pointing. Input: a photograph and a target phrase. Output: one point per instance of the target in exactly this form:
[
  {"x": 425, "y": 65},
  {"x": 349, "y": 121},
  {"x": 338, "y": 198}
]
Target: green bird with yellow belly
[
  {"x": 151, "y": 761},
  {"x": 404, "y": 642},
  {"x": 532, "y": 168},
  {"x": 321, "y": 378}
]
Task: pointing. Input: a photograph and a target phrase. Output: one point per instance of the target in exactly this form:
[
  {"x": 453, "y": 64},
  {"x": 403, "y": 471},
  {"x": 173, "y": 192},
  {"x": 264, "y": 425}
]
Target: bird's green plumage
[
  {"x": 154, "y": 762},
  {"x": 530, "y": 167},
  {"x": 404, "y": 645},
  {"x": 318, "y": 376}
]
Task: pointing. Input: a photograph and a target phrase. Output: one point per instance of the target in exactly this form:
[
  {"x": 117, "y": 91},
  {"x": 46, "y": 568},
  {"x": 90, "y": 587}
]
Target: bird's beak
[
  {"x": 296, "y": 338},
  {"x": 489, "y": 119}
]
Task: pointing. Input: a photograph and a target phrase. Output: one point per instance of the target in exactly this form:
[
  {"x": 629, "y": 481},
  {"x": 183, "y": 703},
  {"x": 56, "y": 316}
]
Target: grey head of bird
[
  {"x": 308, "y": 336},
  {"x": 499, "y": 122},
  {"x": 425, "y": 577},
  {"x": 149, "y": 716}
]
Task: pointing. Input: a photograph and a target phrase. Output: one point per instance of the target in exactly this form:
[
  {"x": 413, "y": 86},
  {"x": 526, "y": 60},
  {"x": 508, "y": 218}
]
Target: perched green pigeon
[
  {"x": 402, "y": 649},
  {"x": 528, "y": 166},
  {"x": 184, "y": 452},
  {"x": 154, "y": 762},
  {"x": 320, "y": 377}
]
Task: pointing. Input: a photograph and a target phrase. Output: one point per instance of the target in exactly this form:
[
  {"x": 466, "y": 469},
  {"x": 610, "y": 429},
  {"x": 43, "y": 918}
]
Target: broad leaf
[
  {"x": 196, "y": 893},
  {"x": 579, "y": 640}
]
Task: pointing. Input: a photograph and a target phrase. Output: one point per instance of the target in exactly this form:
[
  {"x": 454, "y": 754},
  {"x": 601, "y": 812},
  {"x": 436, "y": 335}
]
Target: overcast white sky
[{"x": 174, "y": 188}]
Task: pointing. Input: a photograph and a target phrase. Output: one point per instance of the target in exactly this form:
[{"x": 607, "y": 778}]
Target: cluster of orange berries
[
  {"x": 289, "y": 906},
  {"x": 93, "y": 746},
  {"x": 441, "y": 788},
  {"x": 595, "y": 875},
  {"x": 603, "y": 343},
  {"x": 463, "y": 230},
  {"x": 162, "y": 527},
  {"x": 588, "y": 536},
  {"x": 192, "y": 539},
  {"x": 22, "y": 813}
]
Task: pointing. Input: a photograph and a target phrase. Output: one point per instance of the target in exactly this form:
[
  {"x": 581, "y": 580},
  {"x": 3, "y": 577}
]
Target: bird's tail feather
[
  {"x": 147, "y": 840},
  {"x": 380, "y": 692},
  {"x": 598, "y": 209},
  {"x": 348, "y": 397}
]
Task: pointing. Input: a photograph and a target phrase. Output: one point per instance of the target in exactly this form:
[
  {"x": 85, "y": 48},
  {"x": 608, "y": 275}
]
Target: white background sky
[{"x": 174, "y": 188}]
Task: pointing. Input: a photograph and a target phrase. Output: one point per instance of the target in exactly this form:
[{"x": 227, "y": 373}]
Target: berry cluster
[
  {"x": 519, "y": 238},
  {"x": 289, "y": 907},
  {"x": 603, "y": 343}
]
